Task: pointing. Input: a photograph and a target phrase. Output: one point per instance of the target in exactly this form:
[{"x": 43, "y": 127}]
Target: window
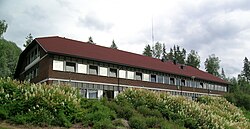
[
  {"x": 122, "y": 74},
  {"x": 93, "y": 70},
  {"x": 112, "y": 72},
  {"x": 172, "y": 81},
  {"x": 160, "y": 79},
  {"x": 82, "y": 68},
  {"x": 58, "y": 65},
  {"x": 131, "y": 75},
  {"x": 138, "y": 76},
  {"x": 145, "y": 77},
  {"x": 70, "y": 67},
  {"x": 166, "y": 80},
  {"x": 153, "y": 78},
  {"x": 201, "y": 85},
  {"x": 92, "y": 94},
  {"x": 183, "y": 82},
  {"x": 103, "y": 71},
  {"x": 83, "y": 92}
]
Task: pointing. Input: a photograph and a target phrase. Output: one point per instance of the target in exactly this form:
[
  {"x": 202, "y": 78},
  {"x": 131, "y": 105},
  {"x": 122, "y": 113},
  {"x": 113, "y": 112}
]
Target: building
[{"x": 100, "y": 71}]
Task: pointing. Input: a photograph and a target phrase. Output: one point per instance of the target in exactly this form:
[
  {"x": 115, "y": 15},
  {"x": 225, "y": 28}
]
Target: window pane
[
  {"x": 153, "y": 78},
  {"x": 82, "y": 68},
  {"x": 122, "y": 74},
  {"x": 92, "y": 94},
  {"x": 70, "y": 67},
  {"x": 138, "y": 76},
  {"x": 113, "y": 72},
  {"x": 166, "y": 80},
  {"x": 160, "y": 79},
  {"x": 57, "y": 65},
  {"x": 93, "y": 70},
  {"x": 131, "y": 75},
  {"x": 183, "y": 82},
  {"x": 103, "y": 71},
  {"x": 145, "y": 77},
  {"x": 172, "y": 81}
]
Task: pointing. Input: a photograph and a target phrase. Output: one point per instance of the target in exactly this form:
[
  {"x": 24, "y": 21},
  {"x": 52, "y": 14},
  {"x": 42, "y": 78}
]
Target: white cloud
[{"x": 208, "y": 26}]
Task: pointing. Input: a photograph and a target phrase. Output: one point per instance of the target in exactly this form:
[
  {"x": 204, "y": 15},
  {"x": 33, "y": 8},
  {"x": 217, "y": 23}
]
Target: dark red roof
[{"x": 86, "y": 50}]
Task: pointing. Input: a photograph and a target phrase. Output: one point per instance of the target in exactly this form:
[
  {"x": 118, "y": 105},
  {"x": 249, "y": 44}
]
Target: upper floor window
[
  {"x": 201, "y": 85},
  {"x": 160, "y": 79},
  {"x": 112, "y": 72},
  {"x": 93, "y": 69},
  {"x": 81, "y": 68},
  {"x": 131, "y": 75},
  {"x": 138, "y": 76},
  {"x": 57, "y": 65},
  {"x": 183, "y": 82},
  {"x": 166, "y": 80},
  {"x": 172, "y": 81},
  {"x": 153, "y": 78},
  {"x": 103, "y": 71},
  {"x": 145, "y": 77},
  {"x": 122, "y": 74},
  {"x": 70, "y": 67}
]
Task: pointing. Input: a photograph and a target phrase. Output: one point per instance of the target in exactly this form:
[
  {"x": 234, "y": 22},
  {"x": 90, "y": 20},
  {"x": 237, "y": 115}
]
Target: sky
[{"x": 220, "y": 27}]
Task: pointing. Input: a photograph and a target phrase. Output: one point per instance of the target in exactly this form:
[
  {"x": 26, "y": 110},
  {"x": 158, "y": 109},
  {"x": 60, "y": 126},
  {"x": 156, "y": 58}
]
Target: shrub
[
  {"x": 148, "y": 112},
  {"x": 137, "y": 122},
  {"x": 104, "y": 124},
  {"x": 153, "y": 122}
]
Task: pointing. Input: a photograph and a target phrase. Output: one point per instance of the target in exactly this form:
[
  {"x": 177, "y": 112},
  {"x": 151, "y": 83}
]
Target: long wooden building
[{"x": 100, "y": 71}]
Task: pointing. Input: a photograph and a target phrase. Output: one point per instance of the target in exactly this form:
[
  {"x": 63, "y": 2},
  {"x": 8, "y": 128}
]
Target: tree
[
  {"x": 9, "y": 54},
  {"x": 212, "y": 65},
  {"x": 91, "y": 40},
  {"x": 3, "y": 27},
  {"x": 164, "y": 53},
  {"x": 223, "y": 75},
  {"x": 29, "y": 39},
  {"x": 157, "y": 50},
  {"x": 246, "y": 69},
  {"x": 170, "y": 55},
  {"x": 193, "y": 59},
  {"x": 113, "y": 45},
  {"x": 147, "y": 51}
]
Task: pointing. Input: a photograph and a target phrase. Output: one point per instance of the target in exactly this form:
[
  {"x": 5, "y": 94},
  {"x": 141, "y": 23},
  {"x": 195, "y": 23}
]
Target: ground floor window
[{"x": 92, "y": 94}]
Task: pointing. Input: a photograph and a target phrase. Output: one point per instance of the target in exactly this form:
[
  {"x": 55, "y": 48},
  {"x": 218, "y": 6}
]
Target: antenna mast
[{"x": 153, "y": 31}]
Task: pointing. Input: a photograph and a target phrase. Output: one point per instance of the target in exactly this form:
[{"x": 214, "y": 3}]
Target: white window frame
[
  {"x": 145, "y": 77},
  {"x": 122, "y": 73},
  {"x": 103, "y": 71},
  {"x": 131, "y": 75},
  {"x": 58, "y": 65},
  {"x": 82, "y": 68}
]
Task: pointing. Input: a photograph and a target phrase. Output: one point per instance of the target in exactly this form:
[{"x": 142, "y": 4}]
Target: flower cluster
[{"x": 207, "y": 111}]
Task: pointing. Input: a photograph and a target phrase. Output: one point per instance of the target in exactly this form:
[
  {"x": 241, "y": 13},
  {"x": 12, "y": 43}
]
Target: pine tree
[
  {"x": 170, "y": 55},
  {"x": 222, "y": 75},
  {"x": 246, "y": 69},
  {"x": 193, "y": 59},
  {"x": 147, "y": 51},
  {"x": 113, "y": 45},
  {"x": 212, "y": 65},
  {"x": 29, "y": 39},
  {"x": 164, "y": 53}
]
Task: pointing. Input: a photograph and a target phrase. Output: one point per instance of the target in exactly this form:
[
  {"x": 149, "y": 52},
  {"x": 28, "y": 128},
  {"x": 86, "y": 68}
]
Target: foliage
[
  {"x": 177, "y": 55},
  {"x": 193, "y": 59},
  {"x": 9, "y": 54},
  {"x": 113, "y": 45},
  {"x": 212, "y": 65},
  {"x": 223, "y": 75},
  {"x": 246, "y": 69},
  {"x": 28, "y": 41},
  {"x": 55, "y": 105},
  {"x": 164, "y": 53},
  {"x": 137, "y": 122},
  {"x": 208, "y": 112},
  {"x": 3, "y": 27},
  {"x": 157, "y": 50},
  {"x": 147, "y": 51}
]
